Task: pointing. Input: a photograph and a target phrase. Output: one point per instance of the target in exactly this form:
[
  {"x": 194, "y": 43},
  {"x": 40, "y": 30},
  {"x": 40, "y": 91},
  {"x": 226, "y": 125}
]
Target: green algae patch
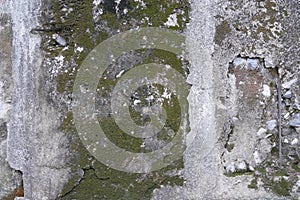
[
  {"x": 156, "y": 12},
  {"x": 253, "y": 184},
  {"x": 282, "y": 187},
  {"x": 74, "y": 21},
  {"x": 83, "y": 25},
  {"x": 100, "y": 182},
  {"x": 142, "y": 94},
  {"x": 278, "y": 179},
  {"x": 222, "y": 31}
]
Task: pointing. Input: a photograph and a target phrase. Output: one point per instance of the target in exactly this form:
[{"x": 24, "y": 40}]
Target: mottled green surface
[
  {"x": 80, "y": 30},
  {"x": 221, "y": 31}
]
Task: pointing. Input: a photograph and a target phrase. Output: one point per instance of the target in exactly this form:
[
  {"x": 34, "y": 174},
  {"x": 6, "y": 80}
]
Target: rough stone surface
[
  {"x": 35, "y": 145},
  {"x": 244, "y": 30},
  {"x": 240, "y": 56},
  {"x": 10, "y": 180}
]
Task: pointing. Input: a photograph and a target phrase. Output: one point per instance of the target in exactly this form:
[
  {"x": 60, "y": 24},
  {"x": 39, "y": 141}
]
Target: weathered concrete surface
[
  {"x": 35, "y": 146},
  {"x": 10, "y": 180},
  {"x": 238, "y": 51},
  {"x": 233, "y": 109}
]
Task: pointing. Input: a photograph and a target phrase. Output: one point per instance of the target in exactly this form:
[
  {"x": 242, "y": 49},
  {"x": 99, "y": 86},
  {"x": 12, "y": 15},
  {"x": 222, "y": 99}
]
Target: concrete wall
[{"x": 240, "y": 58}]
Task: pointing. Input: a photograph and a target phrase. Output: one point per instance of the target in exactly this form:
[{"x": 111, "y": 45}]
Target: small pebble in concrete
[
  {"x": 287, "y": 115},
  {"x": 252, "y": 64},
  {"x": 230, "y": 168},
  {"x": 271, "y": 124},
  {"x": 242, "y": 166},
  {"x": 287, "y": 85},
  {"x": 298, "y": 182},
  {"x": 269, "y": 62},
  {"x": 296, "y": 106},
  {"x": 295, "y": 122},
  {"x": 239, "y": 62},
  {"x": 266, "y": 91},
  {"x": 287, "y": 102},
  {"x": 261, "y": 131},
  {"x": 60, "y": 40},
  {"x": 288, "y": 94},
  {"x": 251, "y": 168},
  {"x": 295, "y": 141}
]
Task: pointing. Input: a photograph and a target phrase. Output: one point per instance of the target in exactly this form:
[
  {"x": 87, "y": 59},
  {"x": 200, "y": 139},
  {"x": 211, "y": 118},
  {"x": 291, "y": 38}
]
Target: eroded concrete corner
[{"x": 10, "y": 179}]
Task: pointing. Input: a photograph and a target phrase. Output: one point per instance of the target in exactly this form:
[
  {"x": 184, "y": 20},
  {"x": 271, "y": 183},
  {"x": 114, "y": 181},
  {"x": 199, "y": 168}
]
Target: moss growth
[
  {"x": 280, "y": 172},
  {"x": 118, "y": 137},
  {"x": 73, "y": 20},
  {"x": 221, "y": 31},
  {"x": 282, "y": 187},
  {"x": 80, "y": 29},
  {"x": 253, "y": 184},
  {"x": 164, "y": 57},
  {"x": 295, "y": 167},
  {"x": 101, "y": 182},
  {"x": 158, "y": 12},
  {"x": 269, "y": 174},
  {"x": 172, "y": 107}
]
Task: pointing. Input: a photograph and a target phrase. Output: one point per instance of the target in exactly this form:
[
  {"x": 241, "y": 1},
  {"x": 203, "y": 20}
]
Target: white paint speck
[
  {"x": 172, "y": 20},
  {"x": 79, "y": 49}
]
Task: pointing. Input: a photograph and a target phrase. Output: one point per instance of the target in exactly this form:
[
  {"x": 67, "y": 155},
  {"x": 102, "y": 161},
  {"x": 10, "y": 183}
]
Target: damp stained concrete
[{"x": 232, "y": 146}]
